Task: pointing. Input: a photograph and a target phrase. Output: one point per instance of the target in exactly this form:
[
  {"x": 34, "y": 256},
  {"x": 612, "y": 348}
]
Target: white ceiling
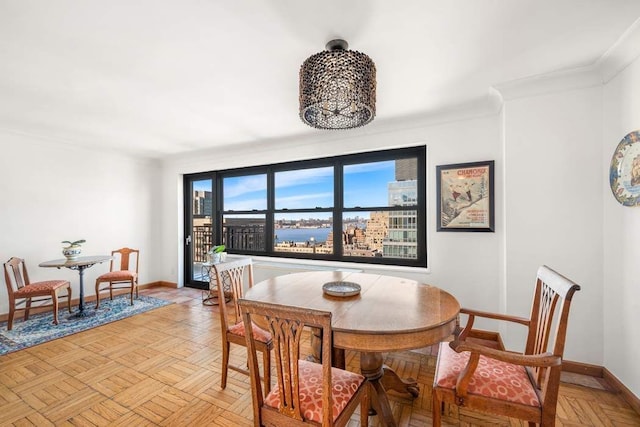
[{"x": 155, "y": 78}]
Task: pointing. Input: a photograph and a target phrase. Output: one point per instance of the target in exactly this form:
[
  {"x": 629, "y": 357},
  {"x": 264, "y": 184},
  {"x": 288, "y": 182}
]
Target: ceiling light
[{"x": 337, "y": 88}]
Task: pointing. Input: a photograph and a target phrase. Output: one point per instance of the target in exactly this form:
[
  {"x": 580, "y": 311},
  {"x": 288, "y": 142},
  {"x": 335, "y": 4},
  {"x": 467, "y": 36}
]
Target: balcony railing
[
  {"x": 234, "y": 237},
  {"x": 202, "y": 241}
]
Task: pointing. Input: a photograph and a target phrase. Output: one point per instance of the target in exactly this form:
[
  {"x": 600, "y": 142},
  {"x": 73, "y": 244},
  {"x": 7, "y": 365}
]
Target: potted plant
[
  {"x": 73, "y": 249},
  {"x": 217, "y": 254}
]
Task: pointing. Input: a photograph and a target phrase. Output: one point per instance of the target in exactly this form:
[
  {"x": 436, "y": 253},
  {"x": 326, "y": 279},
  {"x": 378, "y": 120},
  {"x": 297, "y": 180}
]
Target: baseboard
[
  {"x": 582, "y": 368},
  {"x": 601, "y": 372},
  {"x": 62, "y": 302},
  {"x": 173, "y": 285},
  {"x": 631, "y": 398}
]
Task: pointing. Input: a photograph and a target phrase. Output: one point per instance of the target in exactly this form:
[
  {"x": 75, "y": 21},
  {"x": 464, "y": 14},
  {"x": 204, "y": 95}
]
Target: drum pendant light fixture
[{"x": 337, "y": 88}]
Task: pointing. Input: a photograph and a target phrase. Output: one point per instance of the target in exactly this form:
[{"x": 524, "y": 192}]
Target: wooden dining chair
[
  {"x": 306, "y": 393},
  {"x": 22, "y": 292},
  {"x": 123, "y": 277},
  {"x": 476, "y": 372},
  {"x": 230, "y": 280}
]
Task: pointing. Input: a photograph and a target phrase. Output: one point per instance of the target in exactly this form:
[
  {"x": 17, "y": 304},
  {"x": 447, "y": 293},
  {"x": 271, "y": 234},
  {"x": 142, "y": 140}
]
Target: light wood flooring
[{"x": 163, "y": 368}]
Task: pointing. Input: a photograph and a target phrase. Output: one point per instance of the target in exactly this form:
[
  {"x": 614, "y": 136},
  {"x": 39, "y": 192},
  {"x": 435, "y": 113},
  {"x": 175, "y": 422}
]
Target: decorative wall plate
[
  {"x": 624, "y": 174},
  {"x": 341, "y": 289}
]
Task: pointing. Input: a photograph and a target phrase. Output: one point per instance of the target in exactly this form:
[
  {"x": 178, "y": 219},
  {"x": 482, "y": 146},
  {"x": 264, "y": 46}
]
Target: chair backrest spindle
[
  {"x": 230, "y": 281},
  {"x": 552, "y": 300},
  {"x": 287, "y": 325}
]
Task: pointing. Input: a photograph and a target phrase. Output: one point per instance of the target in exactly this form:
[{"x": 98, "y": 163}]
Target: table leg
[
  {"x": 211, "y": 298},
  {"x": 372, "y": 368},
  {"x": 381, "y": 377},
  {"x": 81, "y": 303},
  {"x": 316, "y": 346},
  {"x": 81, "y": 312},
  {"x": 391, "y": 381}
]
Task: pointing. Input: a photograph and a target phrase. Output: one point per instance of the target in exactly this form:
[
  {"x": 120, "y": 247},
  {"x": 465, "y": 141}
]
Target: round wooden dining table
[{"x": 389, "y": 314}]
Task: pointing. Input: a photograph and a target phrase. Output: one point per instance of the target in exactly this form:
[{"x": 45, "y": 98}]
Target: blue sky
[{"x": 365, "y": 184}]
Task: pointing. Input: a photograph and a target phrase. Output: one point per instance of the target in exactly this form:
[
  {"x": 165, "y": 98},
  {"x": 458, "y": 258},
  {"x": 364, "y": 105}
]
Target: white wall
[
  {"x": 621, "y": 227},
  {"x": 53, "y": 192},
  {"x": 553, "y": 203}
]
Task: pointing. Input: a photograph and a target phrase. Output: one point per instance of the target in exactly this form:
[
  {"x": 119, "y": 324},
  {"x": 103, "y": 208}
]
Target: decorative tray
[
  {"x": 624, "y": 173},
  {"x": 341, "y": 289}
]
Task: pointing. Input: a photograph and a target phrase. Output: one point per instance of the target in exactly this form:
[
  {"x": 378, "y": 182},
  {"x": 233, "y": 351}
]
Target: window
[
  {"x": 303, "y": 214},
  {"x": 367, "y": 207},
  {"x": 244, "y": 212}
]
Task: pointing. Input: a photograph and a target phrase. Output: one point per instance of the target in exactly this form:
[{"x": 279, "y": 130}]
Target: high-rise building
[
  {"x": 401, "y": 241},
  {"x": 202, "y": 203},
  {"x": 377, "y": 230}
]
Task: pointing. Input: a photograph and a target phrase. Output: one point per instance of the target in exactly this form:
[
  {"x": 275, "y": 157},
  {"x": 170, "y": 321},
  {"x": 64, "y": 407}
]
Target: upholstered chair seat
[
  {"x": 344, "y": 385},
  {"x": 492, "y": 378},
  {"x": 123, "y": 277},
  {"x": 23, "y": 293}
]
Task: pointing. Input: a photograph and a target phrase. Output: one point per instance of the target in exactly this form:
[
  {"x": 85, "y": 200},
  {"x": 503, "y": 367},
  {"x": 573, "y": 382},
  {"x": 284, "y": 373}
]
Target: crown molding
[
  {"x": 559, "y": 81},
  {"x": 618, "y": 57}
]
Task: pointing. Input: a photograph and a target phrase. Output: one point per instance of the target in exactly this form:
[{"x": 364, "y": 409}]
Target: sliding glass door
[{"x": 199, "y": 231}]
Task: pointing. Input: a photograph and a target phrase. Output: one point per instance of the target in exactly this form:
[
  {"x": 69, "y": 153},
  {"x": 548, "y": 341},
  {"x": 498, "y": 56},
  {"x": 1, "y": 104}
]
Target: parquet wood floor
[{"x": 163, "y": 368}]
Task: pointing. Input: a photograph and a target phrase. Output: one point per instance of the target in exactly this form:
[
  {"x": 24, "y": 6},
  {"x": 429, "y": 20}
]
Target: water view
[{"x": 302, "y": 234}]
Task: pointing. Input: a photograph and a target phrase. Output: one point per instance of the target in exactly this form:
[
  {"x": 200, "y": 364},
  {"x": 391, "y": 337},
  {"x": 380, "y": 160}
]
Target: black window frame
[{"x": 338, "y": 210}]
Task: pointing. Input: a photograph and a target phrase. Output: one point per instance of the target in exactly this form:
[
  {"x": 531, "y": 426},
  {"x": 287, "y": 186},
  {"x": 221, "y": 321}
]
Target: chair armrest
[
  {"x": 462, "y": 335},
  {"x": 496, "y": 316},
  {"x": 536, "y": 360}
]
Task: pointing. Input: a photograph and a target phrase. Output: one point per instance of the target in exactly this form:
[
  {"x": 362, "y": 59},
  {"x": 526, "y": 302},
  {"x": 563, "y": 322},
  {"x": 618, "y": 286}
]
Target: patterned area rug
[{"x": 40, "y": 328}]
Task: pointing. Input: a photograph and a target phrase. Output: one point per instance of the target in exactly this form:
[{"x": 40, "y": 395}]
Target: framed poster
[{"x": 465, "y": 197}]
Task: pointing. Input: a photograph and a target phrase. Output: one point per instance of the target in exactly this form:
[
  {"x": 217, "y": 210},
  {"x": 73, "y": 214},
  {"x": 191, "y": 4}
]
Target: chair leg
[
  {"x": 12, "y": 312},
  {"x": 132, "y": 292},
  {"x": 436, "y": 409},
  {"x": 548, "y": 419},
  {"x": 97, "y": 294},
  {"x": 54, "y": 299},
  {"x": 111, "y": 290},
  {"x": 69, "y": 298},
  {"x": 225, "y": 364},
  {"x": 266, "y": 364},
  {"x": 27, "y": 308},
  {"x": 365, "y": 405}
]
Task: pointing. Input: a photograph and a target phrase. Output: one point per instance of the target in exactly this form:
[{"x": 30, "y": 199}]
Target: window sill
[{"x": 293, "y": 264}]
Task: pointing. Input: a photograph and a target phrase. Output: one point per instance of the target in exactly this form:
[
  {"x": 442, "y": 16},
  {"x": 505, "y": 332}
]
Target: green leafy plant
[
  {"x": 217, "y": 249},
  {"x": 74, "y": 243}
]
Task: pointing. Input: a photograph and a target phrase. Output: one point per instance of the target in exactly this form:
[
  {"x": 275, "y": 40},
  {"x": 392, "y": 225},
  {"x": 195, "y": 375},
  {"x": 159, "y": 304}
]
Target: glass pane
[
  {"x": 245, "y": 193},
  {"x": 303, "y": 233},
  {"x": 304, "y": 188},
  {"x": 202, "y": 230},
  {"x": 368, "y": 184},
  {"x": 380, "y": 234},
  {"x": 244, "y": 232}
]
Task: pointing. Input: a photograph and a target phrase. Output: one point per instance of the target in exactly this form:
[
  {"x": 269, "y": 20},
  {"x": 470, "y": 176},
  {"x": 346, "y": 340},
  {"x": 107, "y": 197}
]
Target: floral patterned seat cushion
[
  {"x": 259, "y": 334},
  {"x": 113, "y": 276},
  {"x": 492, "y": 378},
  {"x": 345, "y": 384},
  {"x": 40, "y": 288}
]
